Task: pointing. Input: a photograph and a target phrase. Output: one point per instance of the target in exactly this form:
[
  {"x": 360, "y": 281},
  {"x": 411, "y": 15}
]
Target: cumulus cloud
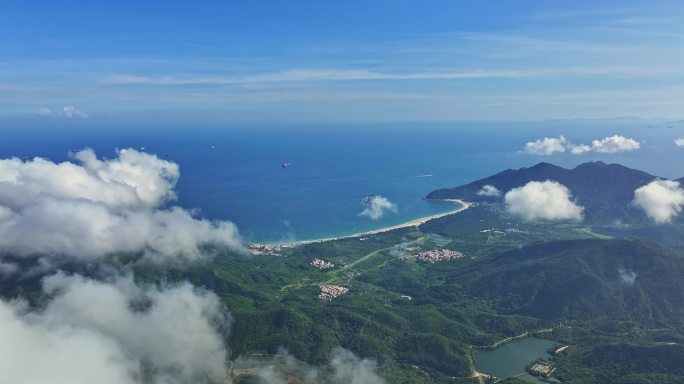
[
  {"x": 88, "y": 230},
  {"x": 344, "y": 367},
  {"x": 92, "y": 208},
  {"x": 679, "y": 142},
  {"x": 579, "y": 149},
  {"x": 615, "y": 144},
  {"x": 661, "y": 200},
  {"x": 117, "y": 332},
  {"x": 547, "y": 200},
  {"x": 376, "y": 206},
  {"x": 608, "y": 145},
  {"x": 87, "y": 331},
  {"x": 489, "y": 191},
  {"x": 546, "y": 146},
  {"x": 67, "y": 112},
  {"x": 132, "y": 180}
]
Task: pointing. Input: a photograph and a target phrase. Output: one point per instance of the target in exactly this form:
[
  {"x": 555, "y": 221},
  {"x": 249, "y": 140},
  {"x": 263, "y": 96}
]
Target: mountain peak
[
  {"x": 592, "y": 164},
  {"x": 544, "y": 166}
]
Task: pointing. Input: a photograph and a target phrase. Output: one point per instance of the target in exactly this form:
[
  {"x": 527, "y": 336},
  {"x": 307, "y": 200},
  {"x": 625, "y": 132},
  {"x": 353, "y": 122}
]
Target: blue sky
[{"x": 338, "y": 61}]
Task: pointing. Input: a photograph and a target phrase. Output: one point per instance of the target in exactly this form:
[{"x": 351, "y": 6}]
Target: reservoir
[{"x": 512, "y": 358}]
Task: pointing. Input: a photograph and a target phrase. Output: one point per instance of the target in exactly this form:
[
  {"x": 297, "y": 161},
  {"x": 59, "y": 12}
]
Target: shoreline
[{"x": 412, "y": 223}]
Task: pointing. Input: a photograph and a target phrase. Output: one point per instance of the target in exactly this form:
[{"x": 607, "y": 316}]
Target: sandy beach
[{"x": 413, "y": 223}]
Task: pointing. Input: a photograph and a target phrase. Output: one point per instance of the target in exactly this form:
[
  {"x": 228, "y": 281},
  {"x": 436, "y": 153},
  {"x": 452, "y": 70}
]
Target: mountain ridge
[
  {"x": 606, "y": 190},
  {"x": 585, "y": 279}
]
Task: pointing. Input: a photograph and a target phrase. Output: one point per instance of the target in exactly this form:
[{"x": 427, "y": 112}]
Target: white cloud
[
  {"x": 322, "y": 74},
  {"x": 679, "y": 142},
  {"x": 661, "y": 200},
  {"x": 349, "y": 369},
  {"x": 546, "y": 146},
  {"x": 608, "y": 145},
  {"x": 88, "y": 231},
  {"x": 627, "y": 277},
  {"x": 67, "y": 112},
  {"x": 615, "y": 144},
  {"x": 94, "y": 208},
  {"x": 118, "y": 333},
  {"x": 115, "y": 332},
  {"x": 547, "y": 200},
  {"x": 71, "y": 112},
  {"x": 489, "y": 191},
  {"x": 342, "y": 75},
  {"x": 376, "y": 206},
  {"x": 131, "y": 180},
  {"x": 343, "y": 368},
  {"x": 579, "y": 149}
]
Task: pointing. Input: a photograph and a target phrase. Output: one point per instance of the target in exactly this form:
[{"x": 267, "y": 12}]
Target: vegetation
[
  {"x": 622, "y": 363},
  {"x": 421, "y": 321},
  {"x": 618, "y": 301},
  {"x": 424, "y": 322}
]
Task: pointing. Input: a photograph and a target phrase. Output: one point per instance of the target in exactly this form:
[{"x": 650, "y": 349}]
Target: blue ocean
[{"x": 235, "y": 173}]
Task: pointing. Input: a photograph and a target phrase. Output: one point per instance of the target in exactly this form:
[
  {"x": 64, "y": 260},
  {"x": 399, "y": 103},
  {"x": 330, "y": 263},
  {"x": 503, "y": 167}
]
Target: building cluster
[
  {"x": 438, "y": 255},
  {"x": 542, "y": 368},
  {"x": 329, "y": 291},
  {"x": 322, "y": 264},
  {"x": 265, "y": 249}
]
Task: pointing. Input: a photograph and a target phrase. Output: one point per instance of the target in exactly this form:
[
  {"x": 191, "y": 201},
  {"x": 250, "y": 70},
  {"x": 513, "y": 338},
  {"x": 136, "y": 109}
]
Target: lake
[{"x": 512, "y": 358}]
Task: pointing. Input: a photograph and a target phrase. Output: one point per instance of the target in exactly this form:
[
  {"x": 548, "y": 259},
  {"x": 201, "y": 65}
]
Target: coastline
[{"x": 413, "y": 223}]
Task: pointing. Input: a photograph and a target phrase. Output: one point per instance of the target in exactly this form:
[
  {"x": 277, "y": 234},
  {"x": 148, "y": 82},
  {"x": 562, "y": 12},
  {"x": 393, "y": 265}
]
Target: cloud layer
[
  {"x": 661, "y": 200},
  {"x": 92, "y": 208},
  {"x": 547, "y": 200},
  {"x": 117, "y": 332},
  {"x": 376, "y": 206},
  {"x": 608, "y": 145}
]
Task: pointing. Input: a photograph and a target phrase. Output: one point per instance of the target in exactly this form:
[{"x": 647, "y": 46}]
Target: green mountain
[
  {"x": 588, "y": 279},
  {"x": 605, "y": 190},
  {"x": 623, "y": 363}
]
